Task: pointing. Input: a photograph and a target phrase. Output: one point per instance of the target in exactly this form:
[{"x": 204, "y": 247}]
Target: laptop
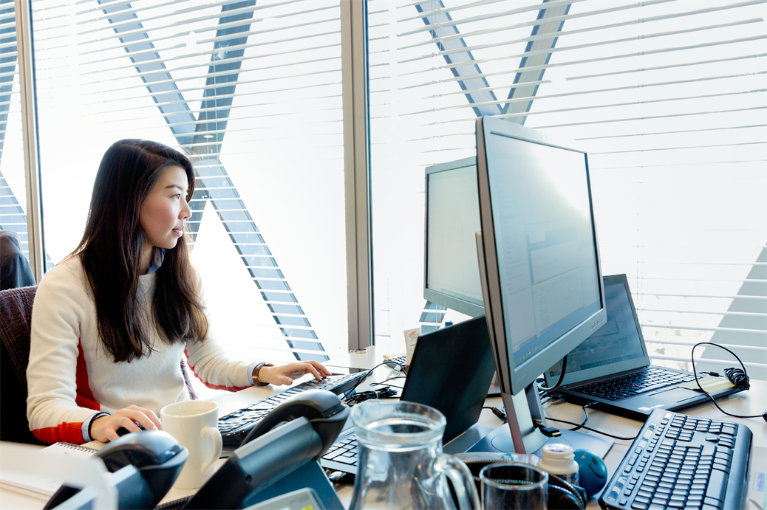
[
  {"x": 450, "y": 370},
  {"x": 612, "y": 368}
]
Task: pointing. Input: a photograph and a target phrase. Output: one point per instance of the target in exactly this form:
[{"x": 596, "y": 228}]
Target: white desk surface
[{"x": 748, "y": 402}]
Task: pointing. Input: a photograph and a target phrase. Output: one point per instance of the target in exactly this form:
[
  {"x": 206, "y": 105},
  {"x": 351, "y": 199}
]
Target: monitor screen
[
  {"x": 541, "y": 273},
  {"x": 451, "y": 274}
]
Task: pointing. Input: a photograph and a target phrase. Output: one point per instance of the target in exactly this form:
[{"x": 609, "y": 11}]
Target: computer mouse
[
  {"x": 592, "y": 472},
  {"x": 122, "y": 430}
]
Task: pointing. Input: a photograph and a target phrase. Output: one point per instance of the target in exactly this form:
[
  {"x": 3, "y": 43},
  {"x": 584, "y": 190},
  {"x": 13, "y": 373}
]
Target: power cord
[
  {"x": 552, "y": 389},
  {"x": 738, "y": 377},
  {"x": 386, "y": 392},
  {"x": 591, "y": 429},
  {"x": 351, "y": 398},
  {"x": 582, "y": 425}
]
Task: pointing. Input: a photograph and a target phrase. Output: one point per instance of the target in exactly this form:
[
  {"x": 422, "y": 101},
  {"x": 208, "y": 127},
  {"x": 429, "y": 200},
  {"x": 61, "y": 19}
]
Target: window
[
  {"x": 667, "y": 97},
  {"x": 13, "y": 197},
  {"x": 251, "y": 92}
]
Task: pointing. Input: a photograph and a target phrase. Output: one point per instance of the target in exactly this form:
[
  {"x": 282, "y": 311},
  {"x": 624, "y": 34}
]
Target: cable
[
  {"x": 738, "y": 376},
  {"x": 559, "y": 381},
  {"x": 392, "y": 378},
  {"x": 585, "y": 416},
  {"x": 582, "y": 425},
  {"x": 497, "y": 412},
  {"x": 367, "y": 395},
  {"x": 591, "y": 429}
]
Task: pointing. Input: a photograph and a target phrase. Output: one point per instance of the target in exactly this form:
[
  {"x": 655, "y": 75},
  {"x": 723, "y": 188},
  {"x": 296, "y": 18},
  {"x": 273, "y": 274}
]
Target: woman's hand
[
  {"x": 105, "y": 428},
  {"x": 285, "y": 374}
]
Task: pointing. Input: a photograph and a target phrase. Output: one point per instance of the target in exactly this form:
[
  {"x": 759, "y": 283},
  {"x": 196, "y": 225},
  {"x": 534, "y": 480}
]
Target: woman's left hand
[{"x": 285, "y": 374}]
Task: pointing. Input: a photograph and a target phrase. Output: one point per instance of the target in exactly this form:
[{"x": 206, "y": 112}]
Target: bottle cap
[{"x": 557, "y": 451}]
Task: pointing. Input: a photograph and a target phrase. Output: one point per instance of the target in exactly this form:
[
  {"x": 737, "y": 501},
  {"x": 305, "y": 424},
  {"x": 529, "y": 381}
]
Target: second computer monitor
[{"x": 451, "y": 274}]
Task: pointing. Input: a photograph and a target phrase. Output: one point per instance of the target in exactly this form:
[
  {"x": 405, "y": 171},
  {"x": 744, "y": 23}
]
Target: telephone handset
[
  {"x": 322, "y": 408},
  {"x": 291, "y": 437},
  {"x": 143, "y": 466}
]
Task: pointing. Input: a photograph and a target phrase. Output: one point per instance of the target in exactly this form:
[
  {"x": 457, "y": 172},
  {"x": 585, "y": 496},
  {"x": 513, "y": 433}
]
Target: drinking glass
[{"x": 514, "y": 485}]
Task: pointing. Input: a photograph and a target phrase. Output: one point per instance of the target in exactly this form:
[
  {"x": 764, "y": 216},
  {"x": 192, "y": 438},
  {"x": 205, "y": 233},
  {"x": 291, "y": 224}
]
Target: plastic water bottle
[{"x": 558, "y": 459}]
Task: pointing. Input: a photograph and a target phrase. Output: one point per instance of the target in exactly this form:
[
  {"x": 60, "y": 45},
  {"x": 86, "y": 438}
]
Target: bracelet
[
  {"x": 257, "y": 380},
  {"x": 93, "y": 418}
]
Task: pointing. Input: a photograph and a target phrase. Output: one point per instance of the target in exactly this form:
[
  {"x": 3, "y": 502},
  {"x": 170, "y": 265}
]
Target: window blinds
[
  {"x": 12, "y": 196},
  {"x": 668, "y": 98},
  {"x": 237, "y": 86}
]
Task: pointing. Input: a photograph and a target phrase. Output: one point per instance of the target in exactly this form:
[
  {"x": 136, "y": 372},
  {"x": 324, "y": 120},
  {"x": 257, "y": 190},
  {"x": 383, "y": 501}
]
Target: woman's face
[{"x": 165, "y": 210}]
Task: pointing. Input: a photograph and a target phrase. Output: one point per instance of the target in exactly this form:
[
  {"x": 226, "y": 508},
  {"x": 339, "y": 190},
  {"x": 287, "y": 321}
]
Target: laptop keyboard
[{"x": 634, "y": 383}]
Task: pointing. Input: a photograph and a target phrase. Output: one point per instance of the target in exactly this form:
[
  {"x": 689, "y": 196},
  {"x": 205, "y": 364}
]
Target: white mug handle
[{"x": 215, "y": 437}]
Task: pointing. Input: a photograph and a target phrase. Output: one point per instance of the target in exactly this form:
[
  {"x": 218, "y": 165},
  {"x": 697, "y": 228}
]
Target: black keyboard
[
  {"x": 236, "y": 425},
  {"x": 342, "y": 456},
  {"x": 399, "y": 360},
  {"x": 628, "y": 385},
  {"x": 680, "y": 461}
]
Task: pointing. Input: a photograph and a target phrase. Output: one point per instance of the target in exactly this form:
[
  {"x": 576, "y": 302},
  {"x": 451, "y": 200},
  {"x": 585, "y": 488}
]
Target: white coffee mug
[{"x": 194, "y": 424}]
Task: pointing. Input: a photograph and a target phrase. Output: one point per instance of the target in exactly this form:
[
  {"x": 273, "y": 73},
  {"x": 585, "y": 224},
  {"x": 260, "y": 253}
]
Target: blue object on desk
[{"x": 592, "y": 472}]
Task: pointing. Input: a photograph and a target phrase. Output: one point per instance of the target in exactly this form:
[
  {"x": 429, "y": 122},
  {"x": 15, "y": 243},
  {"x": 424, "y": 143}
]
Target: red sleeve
[{"x": 67, "y": 432}]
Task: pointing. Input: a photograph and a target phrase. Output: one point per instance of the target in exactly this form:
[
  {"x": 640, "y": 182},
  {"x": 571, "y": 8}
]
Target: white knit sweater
[{"x": 71, "y": 375}]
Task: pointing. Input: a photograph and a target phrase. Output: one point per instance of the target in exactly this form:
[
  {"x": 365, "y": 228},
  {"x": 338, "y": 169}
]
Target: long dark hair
[{"x": 111, "y": 247}]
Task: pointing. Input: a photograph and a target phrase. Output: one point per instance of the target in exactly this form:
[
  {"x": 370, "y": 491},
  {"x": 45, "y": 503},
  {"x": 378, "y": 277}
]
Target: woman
[{"x": 113, "y": 323}]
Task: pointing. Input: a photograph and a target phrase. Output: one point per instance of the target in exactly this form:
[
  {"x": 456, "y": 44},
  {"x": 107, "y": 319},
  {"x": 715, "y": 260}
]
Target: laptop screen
[
  {"x": 615, "y": 347},
  {"x": 451, "y": 371}
]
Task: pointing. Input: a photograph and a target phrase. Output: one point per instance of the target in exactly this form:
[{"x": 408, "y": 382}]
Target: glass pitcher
[{"x": 401, "y": 464}]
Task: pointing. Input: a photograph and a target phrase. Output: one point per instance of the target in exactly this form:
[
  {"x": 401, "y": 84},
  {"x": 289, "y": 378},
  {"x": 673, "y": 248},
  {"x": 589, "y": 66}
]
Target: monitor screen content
[
  {"x": 452, "y": 219},
  {"x": 542, "y": 264}
]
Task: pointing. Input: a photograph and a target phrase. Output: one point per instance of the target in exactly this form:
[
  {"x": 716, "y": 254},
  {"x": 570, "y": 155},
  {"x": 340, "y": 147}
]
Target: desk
[{"x": 749, "y": 402}]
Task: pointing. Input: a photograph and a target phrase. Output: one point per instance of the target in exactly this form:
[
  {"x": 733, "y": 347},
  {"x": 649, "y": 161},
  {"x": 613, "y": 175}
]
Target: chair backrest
[{"x": 15, "y": 321}]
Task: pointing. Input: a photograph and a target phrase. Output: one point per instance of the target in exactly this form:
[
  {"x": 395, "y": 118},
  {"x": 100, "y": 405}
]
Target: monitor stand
[{"x": 520, "y": 435}]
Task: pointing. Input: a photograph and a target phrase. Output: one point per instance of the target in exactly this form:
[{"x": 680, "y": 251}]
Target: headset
[{"x": 738, "y": 377}]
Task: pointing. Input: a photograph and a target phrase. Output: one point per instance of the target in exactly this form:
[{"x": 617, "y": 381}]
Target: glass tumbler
[{"x": 514, "y": 485}]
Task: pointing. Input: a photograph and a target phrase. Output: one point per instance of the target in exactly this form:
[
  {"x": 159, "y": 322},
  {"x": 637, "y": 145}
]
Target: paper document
[
  {"x": 709, "y": 383},
  {"x": 29, "y": 483}
]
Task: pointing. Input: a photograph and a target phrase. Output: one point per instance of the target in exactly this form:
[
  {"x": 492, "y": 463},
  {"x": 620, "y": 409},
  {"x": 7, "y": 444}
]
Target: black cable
[
  {"x": 592, "y": 430},
  {"x": 350, "y": 395},
  {"x": 392, "y": 378},
  {"x": 585, "y": 416},
  {"x": 738, "y": 376},
  {"x": 386, "y": 392},
  {"x": 559, "y": 381},
  {"x": 497, "y": 412},
  {"x": 582, "y": 425}
]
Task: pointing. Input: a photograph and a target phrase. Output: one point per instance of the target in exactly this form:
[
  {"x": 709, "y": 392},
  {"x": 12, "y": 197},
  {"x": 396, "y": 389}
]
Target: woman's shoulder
[{"x": 68, "y": 273}]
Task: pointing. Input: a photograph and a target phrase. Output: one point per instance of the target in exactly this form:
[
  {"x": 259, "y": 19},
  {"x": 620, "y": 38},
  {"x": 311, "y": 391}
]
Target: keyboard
[
  {"x": 628, "y": 385},
  {"x": 342, "y": 455},
  {"x": 400, "y": 360},
  {"x": 680, "y": 461},
  {"x": 236, "y": 425}
]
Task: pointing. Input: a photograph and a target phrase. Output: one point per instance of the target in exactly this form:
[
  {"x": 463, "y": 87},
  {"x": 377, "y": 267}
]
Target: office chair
[{"x": 15, "y": 321}]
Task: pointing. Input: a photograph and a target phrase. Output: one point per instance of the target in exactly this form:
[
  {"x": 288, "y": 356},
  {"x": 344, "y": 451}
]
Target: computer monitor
[
  {"x": 539, "y": 262},
  {"x": 451, "y": 273}
]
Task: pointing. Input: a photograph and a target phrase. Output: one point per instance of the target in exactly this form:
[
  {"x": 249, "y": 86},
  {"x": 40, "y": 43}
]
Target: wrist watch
[{"x": 257, "y": 380}]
